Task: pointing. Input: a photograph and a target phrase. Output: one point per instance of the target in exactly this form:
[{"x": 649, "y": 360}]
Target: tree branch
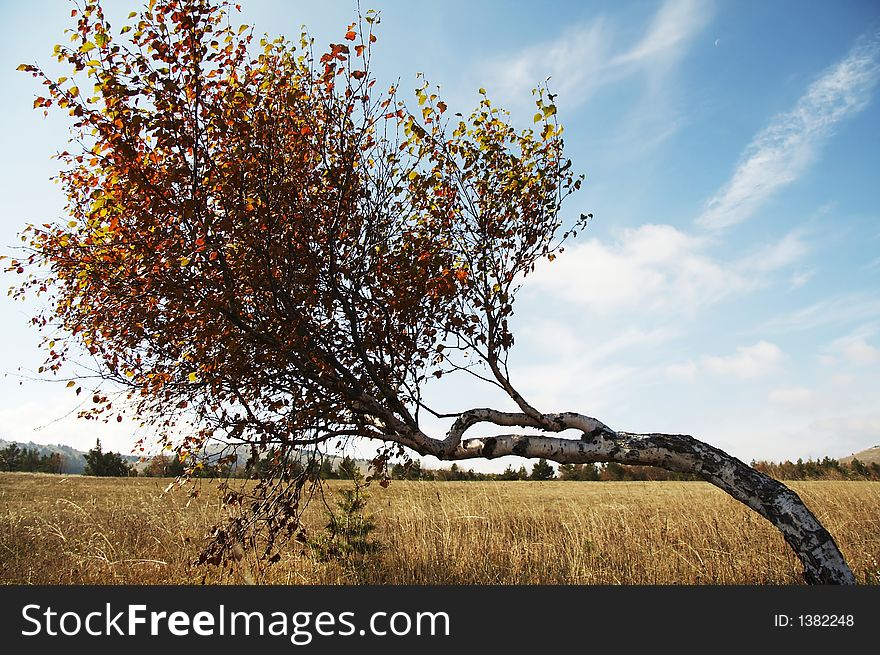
[{"x": 812, "y": 543}]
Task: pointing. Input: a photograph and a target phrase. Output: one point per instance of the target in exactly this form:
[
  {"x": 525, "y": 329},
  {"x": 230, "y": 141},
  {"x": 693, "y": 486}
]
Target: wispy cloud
[
  {"x": 780, "y": 254},
  {"x": 585, "y": 57},
  {"x": 747, "y": 362},
  {"x": 672, "y": 27},
  {"x": 854, "y": 348},
  {"x": 844, "y": 308},
  {"x": 800, "y": 278},
  {"x": 560, "y": 339},
  {"x": 792, "y": 397},
  {"x": 784, "y": 149},
  {"x": 576, "y": 61}
]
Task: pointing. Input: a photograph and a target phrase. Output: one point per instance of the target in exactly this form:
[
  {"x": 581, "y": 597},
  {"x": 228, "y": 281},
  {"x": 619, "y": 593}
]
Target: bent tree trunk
[{"x": 821, "y": 558}]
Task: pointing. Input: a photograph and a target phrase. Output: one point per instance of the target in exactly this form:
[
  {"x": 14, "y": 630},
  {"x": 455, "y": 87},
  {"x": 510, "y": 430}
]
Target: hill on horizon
[
  {"x": 75, "y": 460},
  {"x": 867, "y": 456}
]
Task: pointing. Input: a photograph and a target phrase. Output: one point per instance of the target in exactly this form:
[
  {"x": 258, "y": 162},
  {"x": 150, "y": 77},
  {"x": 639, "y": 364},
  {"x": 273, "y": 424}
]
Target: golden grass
[{"x": 78, "y": 530}]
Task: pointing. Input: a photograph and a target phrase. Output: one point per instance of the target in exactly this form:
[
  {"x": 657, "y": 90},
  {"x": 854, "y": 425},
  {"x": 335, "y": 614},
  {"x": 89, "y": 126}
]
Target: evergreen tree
[
  {"x": 9, "y": 458},
  {"x": 347, "y": 469},
  {"x": 105, "y": 464},
  {"x": 542, "y": 470}
]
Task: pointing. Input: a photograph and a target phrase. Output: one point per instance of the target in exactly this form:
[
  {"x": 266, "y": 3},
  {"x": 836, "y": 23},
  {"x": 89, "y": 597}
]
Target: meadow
[{"x": 83, "y": 530}]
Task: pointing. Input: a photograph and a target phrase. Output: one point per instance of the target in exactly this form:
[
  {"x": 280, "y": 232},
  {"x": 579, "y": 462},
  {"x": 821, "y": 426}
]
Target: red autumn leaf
[{"x": 350, "y": 35}]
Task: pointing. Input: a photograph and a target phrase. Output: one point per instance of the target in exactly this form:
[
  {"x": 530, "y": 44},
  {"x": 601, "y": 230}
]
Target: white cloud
[
  {"x": 854, "y": 348},
  {"x": 653, "y": 266},
  {"x": 783, "y": 150},
  {"x": 658, "y": 267},
  {"x": 748, "y": 361}
]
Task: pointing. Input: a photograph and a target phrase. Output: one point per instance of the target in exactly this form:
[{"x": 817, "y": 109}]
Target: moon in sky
[{"x": 717, "y": 41}]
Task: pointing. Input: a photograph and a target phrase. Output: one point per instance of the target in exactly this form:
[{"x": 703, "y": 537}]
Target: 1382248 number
[{"x": 826, "y": 620}]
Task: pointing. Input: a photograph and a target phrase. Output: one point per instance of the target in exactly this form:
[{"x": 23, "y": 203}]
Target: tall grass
[{"x": 73, "y": 530}]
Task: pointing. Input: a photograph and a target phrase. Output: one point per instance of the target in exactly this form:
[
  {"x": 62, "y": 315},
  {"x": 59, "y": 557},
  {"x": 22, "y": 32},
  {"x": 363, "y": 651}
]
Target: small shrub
[{"x": 348, "y": 535}]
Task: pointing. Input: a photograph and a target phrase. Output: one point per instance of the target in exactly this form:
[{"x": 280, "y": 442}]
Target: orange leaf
[
  {"x": 305, "y": 130},
  {"x": 350, "y": 35}
]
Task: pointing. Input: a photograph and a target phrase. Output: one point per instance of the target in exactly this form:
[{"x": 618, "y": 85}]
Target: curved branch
[{"x": 821, "y": 558}]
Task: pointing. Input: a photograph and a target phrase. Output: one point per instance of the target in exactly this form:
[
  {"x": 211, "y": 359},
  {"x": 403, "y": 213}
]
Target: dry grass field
[{"x": 73, "y": 530}]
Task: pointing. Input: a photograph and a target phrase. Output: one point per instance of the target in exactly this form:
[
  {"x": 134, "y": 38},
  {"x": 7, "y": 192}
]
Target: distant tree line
[
  {"x": 820, "y": 469},
  {"x": 348, "y": 469},
  {"x": 14, "y": 458},
  {"x": 824, "y": 469},
  {"x": 542, "y": 470},
  {"x": 100, "y": 463}
]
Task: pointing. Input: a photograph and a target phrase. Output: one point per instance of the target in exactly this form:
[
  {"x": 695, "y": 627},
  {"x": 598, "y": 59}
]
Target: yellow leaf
[
  {"x": 74, "y": 91},
  {"x": 193, "y": 377}
]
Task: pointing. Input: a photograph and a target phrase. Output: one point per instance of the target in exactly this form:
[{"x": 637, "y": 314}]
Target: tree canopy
[
  {"x": 265, "y": 246},
  {"x": 107, "y": 464}
]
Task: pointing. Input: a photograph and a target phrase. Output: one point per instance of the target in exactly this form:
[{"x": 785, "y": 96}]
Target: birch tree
[{"x": 263, "y": 246}]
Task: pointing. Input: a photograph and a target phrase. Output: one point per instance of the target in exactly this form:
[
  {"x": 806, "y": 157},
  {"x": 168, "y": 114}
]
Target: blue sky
[{"x": 729, "y": 284}]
